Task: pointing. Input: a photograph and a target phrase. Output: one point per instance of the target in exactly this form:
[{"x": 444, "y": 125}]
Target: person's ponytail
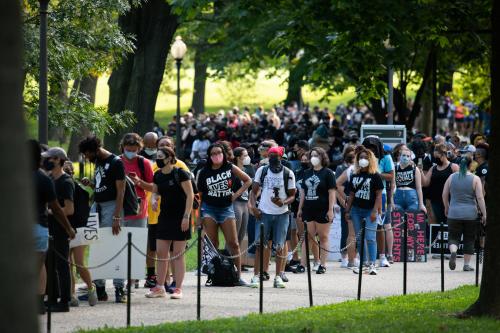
[{"x": 465, "y": 163}]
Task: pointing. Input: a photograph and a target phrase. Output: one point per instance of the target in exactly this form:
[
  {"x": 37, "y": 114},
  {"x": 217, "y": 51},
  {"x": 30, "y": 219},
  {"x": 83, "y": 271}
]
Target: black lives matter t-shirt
[
  {"x": 45, "y": 193},
  {"x": 364, "y": 186},
  {"x": 107, "y": 172},
  {"x": 216, "y": 185},
  {"x": 316, "y": 185},
  {"x": 65, "y": 190}
]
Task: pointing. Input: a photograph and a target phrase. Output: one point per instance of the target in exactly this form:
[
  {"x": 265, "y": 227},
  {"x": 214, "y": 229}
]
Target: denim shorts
[
  {"x": 218, "y": 214},
  {"x": 41, "y": 234},
  {"x": 406, "y": 200},
  {"x": 278, "y": 224}
]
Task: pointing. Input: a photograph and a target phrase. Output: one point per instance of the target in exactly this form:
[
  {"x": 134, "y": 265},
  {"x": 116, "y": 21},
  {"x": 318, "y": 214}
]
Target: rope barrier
[
  {"x": 180, "y": 254},
  {"x": 242, "y": 252},
  {"x": 299, "y": 244},
  {"x": 93, "y": 267}
]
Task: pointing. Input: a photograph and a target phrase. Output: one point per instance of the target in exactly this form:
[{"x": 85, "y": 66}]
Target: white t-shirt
[
  {"x": 272, "y": 181},
  {"x": 200, "y": 146}
]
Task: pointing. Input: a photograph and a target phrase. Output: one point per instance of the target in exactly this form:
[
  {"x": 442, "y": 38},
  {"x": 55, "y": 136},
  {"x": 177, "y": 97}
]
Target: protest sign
[
  {"x": 88, "y": 234},
  {"x": 416, "y": 236},
  {"x": 436, "y": 234}
]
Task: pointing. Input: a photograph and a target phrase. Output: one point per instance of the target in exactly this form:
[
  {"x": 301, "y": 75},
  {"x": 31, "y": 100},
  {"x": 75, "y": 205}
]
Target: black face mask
[
  {"x": 275, "y": 164},
  {"x": 349, "y": 159},
  {"x": 439, "y": 161},
  {"x": 160, "y": 163},
  {"x": 48, "y": 165},
  {"x": 304, "y": 165}
]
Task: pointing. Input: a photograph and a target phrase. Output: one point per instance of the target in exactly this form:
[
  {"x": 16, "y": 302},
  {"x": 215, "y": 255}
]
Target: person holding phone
[
  {"x": 365, "y": 202},
  {"x": 317, "y": 200}
]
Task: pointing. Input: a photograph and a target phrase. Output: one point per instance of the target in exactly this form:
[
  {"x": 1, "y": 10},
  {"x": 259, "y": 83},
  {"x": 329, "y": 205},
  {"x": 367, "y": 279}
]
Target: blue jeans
[
  {"x": 357, "y": 216},
  {"x": 406, "y": 200},
  {"x": 41, "y": 235},
  {"x": 278, "y": 224}
]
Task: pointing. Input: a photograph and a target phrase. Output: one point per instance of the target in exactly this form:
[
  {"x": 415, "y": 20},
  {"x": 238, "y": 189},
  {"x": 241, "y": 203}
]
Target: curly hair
[
  {"x": 323, "y": 156},
  {"x": 89, "y": 144},
  {"x": 372, "y": 166}
]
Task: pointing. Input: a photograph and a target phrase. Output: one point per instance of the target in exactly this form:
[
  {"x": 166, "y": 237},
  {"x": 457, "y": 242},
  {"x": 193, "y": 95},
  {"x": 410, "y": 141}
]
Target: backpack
[
  {"x": 221, "y": 272},
  {"x": 196, "y": 198},
  {"x": 81, "y": 203},
  {"x": 286, "y": 176},
  {"x": 131, "y": 201}
]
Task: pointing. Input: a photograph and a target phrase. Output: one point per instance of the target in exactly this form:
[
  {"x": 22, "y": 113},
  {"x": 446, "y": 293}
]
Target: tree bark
[
  {"x": 88, "y": 86},
  {"x": 135, "y": 83},
  {"x": 488, "y": 303},
  {"x": 445, "y": 82},
  {"x": 400, "y": 106},
  {"x": 200, "y": 80},
  {"x": 59, "y": 90},
  {"x": 379, "y": 112},
  {"x": 295, "y": 82},
  {"x": 18, "y": 311}
]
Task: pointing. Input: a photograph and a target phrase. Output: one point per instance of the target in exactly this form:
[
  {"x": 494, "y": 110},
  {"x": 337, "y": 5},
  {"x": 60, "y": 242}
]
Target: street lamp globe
[{"x": 178, "y": 49}]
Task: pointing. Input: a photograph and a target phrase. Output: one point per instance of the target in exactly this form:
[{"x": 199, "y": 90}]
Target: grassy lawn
[{"x": 429, "y": 312}]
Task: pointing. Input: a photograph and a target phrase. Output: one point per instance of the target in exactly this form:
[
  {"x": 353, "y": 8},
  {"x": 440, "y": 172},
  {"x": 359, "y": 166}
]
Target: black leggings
[{"x": 61, "y": 277}]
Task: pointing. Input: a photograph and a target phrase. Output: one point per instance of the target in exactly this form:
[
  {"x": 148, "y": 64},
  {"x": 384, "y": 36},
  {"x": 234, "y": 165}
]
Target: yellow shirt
[{"x": 153, "y": 215}]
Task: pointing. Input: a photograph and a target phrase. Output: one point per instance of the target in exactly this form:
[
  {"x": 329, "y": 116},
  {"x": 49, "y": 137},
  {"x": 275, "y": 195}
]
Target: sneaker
[
  {"x": 101, "y": 297},
  {"x": 120, "y": 296},
  {"x": 355, "y": 269},
  {"x": 453, "y": 261},
  {"x": 74, "y": 303},
  {"x": 177, "y": 294},
  {"x": 384, "y": 262},
  {"x": 156, "y": 292},
  {"x": 92, "y": 295},
  {"x": 60, "y": 307},
  {"x": 288, "y": 268},
  {"x": 372, "y": 270},
  {"x": 468, "y": 268},
  {"x": 299, "y": 269},
  {"x": 390, "y": 259},
  {"x": 254, "y": 282},
  {"x": 241, "y": 283},
  {"x": 170, "y": 288},
  {"x": 344, "y": 263},
  {"x": 284, "y": 277},
  {"x": 266, "y": 276},
  {"x": 150, "y": 281},
  {"x": 316, "y": 266},
  {"x": 278, "y": 282},
  {"x": 321, "y": 270},
  {"x": 351, "y": 265}
]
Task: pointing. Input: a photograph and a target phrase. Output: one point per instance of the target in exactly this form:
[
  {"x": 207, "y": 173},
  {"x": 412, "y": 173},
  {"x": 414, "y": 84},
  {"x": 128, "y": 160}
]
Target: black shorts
[
  {"x": 320, "y": 216},
  {"x": 152, "y": 237}
]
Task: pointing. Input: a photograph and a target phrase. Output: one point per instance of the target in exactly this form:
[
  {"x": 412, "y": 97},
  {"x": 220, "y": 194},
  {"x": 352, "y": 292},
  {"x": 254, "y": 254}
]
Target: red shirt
[{"x": 133, "y": 166}]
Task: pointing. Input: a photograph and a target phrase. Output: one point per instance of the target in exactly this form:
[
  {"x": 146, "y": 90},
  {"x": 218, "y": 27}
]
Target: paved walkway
[{"x": 337, "y": 285}]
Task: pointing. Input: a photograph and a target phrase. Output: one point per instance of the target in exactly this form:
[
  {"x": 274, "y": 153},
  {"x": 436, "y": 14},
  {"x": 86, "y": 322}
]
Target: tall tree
[
  {"x": 200, "y": 81},
  {"x": 17, "y": 258}
]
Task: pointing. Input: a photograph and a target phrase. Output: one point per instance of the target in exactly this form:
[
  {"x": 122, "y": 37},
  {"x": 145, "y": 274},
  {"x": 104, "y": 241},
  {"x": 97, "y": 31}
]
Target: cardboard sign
[
  {"x": 436, "y": 248},
  {"x": 108, "y": 245},
  {"x": 88, "y": 234},
  {"x": 416, "y": 236}
]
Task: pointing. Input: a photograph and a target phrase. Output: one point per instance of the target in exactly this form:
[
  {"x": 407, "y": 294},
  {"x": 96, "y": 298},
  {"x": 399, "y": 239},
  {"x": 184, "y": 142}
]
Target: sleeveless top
[
  {"x": 463, "y": 204},
  {"x": 438, "y": 179},
  {"x": 405, "y": 177}
]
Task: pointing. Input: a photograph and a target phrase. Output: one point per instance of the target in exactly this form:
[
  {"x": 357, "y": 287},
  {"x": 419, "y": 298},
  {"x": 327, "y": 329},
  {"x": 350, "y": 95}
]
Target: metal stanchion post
[
  {"x": 50, "y": 284},
  {"x": 308, "y": 264},
  {"x": 405, "y": 252},
  {"x": 361, "y": 256},
  {"x": 478, "y": 250},
  {"x": 442, "y": 254},
  {"x": 129, "y": 275},
  {"x": 198, "y": 288},
  {"x": 261, "y": 269}
]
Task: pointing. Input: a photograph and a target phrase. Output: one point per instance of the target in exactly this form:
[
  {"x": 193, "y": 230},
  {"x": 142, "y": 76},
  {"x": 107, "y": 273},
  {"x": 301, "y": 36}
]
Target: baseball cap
[
  {"x": 55, "y": 152},
  {"x": 468, "y": 149},
  {"x": 276, "y": 150}
]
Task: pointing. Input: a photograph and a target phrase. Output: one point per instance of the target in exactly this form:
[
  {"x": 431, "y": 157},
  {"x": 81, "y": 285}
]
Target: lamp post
[
  {"x": 390, "y": 86},
  {"x": 178, "y": 51},
  {"x": 43, "y": 127}
]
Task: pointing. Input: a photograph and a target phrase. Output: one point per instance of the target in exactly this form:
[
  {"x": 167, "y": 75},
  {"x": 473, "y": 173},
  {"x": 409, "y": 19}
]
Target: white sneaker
[
  {"x": 384, "y": 262},
  {"x": 316, "y": 266},
  {"x": 344, "y": 263},
  {"x": 278, "y": 282},
  {"x": 372, "y": 270},
  {"x": 254, "y": 282}
]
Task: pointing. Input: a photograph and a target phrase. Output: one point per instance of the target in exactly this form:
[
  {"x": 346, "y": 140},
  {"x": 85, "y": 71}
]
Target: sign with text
[
  {"x": 88, "y": 234},
  {"x": 416, "y": 236},
  {"x": 436, "y": 247},
  {"x": 108, "y": 245}
]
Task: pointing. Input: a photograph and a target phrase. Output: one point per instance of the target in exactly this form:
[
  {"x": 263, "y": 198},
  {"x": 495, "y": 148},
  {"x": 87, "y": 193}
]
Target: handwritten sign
[
  {"x": 416, "y": 236},
  {"x": 88, "y": 234}
]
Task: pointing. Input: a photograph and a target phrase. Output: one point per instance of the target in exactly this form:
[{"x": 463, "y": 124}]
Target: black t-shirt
[
  {"x": 364, "y": 187},
  {"x": 65, "y": 189},
  {"x": 216, "y": 185},
  {"x": 316, "y": 185},
  {"x": 107, "y": 172},
  {"x": 482, "y": 171},
  {"x": 168, "y": 187},
  {"x": 405, "y": 177},
  {"x": 299, "y": 177},
  {"x": 45, "y": 193},
  {"x": 237, "y": 183}
]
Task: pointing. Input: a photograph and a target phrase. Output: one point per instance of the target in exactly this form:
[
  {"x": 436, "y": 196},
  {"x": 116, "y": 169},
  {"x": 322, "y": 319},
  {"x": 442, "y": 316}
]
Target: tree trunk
[
  {"x": 88, "y": 86},
  {"x": 295, "y": 82},
  {"x": 488, "y": 303},
  {"x": 200, "y": 80},
  {"x": 135, "y": 83},
  {"x": 445, "y": 82},
  {"x": 415, "y": 111},
  {"x": 425, "y": 119},
  {"x": 18, "y": 306},
  {"x": 400, "y": 106},
  {"x": 379, "y": 112},
  {"x": 59, "y": 90}
]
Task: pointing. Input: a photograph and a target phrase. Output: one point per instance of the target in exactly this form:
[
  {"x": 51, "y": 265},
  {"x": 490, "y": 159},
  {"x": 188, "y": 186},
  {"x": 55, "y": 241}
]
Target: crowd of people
[{"x": 286, "y": 169}]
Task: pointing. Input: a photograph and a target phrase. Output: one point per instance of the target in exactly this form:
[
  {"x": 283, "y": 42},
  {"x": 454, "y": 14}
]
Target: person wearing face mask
[
  {"x": 435, "y": 179},
  {"x": 149, "y": 149},
  {"x": 365, "y": 202},
  {"x": 408, "y": 183},
  {"x": 109, "y": 191},
  {"x": 215, "y": 183},
  {"x": 317, "y": 200},
  {"x": 174, "y": 220},
  {"x": 242, "y": 161}
]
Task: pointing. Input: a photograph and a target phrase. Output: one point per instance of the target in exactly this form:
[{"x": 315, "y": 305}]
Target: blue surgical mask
[
  {"x": 129, "y": 154},
  {"x": 404, "y": 160}
]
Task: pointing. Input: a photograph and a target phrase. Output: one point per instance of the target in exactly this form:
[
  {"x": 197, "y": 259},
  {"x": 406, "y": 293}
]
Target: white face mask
[
  {"x": 315, "y": 161},
  {"x": 246, "y": 160},
  {"x": 363, "y": 163}
]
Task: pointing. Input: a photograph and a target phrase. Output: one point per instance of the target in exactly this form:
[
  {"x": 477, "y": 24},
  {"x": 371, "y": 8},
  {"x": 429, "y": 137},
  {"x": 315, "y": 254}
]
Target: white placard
[
  {"x": 334, "y": 237},
  {"x": 88, "y": 234},
  {"x": 108, "y": 245}
]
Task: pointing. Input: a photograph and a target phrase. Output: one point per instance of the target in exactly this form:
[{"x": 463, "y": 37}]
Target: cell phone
[{"x": 132, "y": 174}]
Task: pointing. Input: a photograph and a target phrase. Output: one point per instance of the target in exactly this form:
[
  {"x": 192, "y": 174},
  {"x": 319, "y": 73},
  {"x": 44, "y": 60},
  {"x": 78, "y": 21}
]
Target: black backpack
[
  {"x": 196, "y": 199},
  {"x": 221, "y": 272},
  {"x": 131, "y": 201},
  {"x": 81, "y": 203}
]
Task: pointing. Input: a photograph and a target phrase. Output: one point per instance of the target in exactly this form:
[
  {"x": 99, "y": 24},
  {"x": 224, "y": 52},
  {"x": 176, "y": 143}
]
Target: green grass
[{"x": 429, "y": 312}]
